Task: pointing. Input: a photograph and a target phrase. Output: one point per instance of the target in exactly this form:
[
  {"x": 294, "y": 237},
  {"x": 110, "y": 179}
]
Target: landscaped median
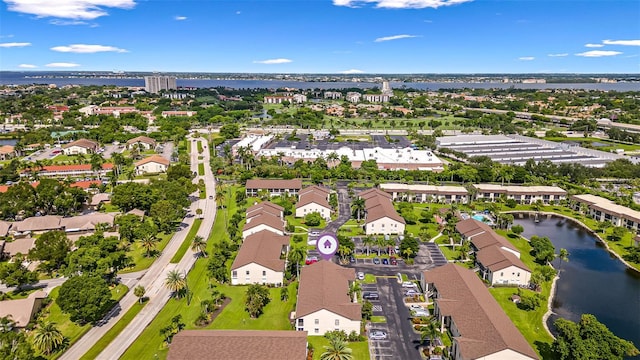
[
  {"x": 187, "y": 242},
  {"x": 360, "y": 349}
]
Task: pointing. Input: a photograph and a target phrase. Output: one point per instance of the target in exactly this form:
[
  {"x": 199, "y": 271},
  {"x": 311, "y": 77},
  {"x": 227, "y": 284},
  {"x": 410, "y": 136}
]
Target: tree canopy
[{"x": 86, "y": 298}]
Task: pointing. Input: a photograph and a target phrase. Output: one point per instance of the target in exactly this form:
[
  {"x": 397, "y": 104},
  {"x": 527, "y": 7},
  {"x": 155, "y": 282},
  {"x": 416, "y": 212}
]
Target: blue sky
[{"x": 322, "y": 36}]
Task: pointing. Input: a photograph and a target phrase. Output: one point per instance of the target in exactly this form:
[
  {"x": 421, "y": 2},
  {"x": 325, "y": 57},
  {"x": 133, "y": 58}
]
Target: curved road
[{"x": 153, "y": 279}]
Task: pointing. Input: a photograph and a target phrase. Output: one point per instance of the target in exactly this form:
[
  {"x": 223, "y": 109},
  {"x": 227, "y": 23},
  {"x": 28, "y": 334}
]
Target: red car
[
  {"x": 393, "y": 260},
  {"x": 310, "y": 260}
]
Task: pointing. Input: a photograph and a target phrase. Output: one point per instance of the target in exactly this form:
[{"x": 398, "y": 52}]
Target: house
[
  {"x": 313, "y": 199},
  {"x": 36, "y": 225},
  {"x": 22, "y": 311},
  {"x": 426, "y": 193},
  {"x": 521, "y": 194},
  {"x": 65, "y": 171},
  {"x": 7, "y": 152},
  {"x": 376, "y": 98},
  {"x": 265, "y": 207},
  {"x": 4, "y": 228},
  {"x": 143, "y": 143},
  {"x": 482, "y": 236},
  {"x": 381, "y": 217},
  {"x": 81, "y": 146},
  {"x": 273, "y": 187},
  {"x": 263, "y": 221},
  {"x": 86, "y": 223},
  {"x": 153, "y": 164},
  {"x": 323, "y": 302},
  {"x": 260, "y": 259},
  {"x": 479, "y": 327},
  {"x": 98, "y": 199},
  {"x": 18, "y": 246},
  {"x": 501, "y": 267},
  {"x": 238, "y": 345},
  {"x": 602, "y": 209},
  {"x": 277, "y": 99}
]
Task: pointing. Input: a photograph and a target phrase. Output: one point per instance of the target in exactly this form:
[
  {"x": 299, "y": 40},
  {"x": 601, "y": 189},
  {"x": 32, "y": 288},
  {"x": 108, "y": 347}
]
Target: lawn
[
  {"x": 101, "y": 344},
  {"x": 201, "y": 169},
  {"x": 200, "y": 148},
  {"x": 360, "y": 348},
  {"x": 138, "y": 253},
  {"x": 586, "y": 142},
  {"x": 378, "y": 319},
  {"x": 68, "y": 328},
  {"x": 449, "y": 252},
  {"x": 369, "y": 279},
  {"x": 186, "y": 244}
]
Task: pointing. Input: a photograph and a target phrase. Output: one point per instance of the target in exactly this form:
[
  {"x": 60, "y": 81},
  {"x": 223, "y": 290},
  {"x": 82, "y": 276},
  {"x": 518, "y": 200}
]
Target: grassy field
[
  {"x": 360, "y": 349},
  {"x": 138, "y": 254},
  {"x": 186, "y": 244},
  {"x": 587, "y": 142},
  {"x": 101, "y": 344},
  {"x": 68, "y": 328}
]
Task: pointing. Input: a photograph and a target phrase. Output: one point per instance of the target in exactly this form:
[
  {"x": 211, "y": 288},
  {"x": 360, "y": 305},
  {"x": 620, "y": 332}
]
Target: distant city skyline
[{"x": 322, "y": 36}]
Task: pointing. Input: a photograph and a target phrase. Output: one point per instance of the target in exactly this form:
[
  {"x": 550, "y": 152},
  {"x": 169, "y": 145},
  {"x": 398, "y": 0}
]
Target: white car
[
  {"x": 409, "y": 284},
  {"x": 360, "y": 275},
  {"x": 378, "y": 335},
  {"x": 415, "y": 307},
  {"x": 420, "y": 313},
  {"x": 411, "y": 292},
  {"x": 314, "y": 233}
]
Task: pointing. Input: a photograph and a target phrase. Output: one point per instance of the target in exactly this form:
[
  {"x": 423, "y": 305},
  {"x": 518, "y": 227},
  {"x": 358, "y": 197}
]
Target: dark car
[
  {"x": 385, "y": 261},
  {"x": 367, "y": 295},
  {"x": 393, "y": 260},
  {"x": 376, "y": 261},
  {"x": 352, "y": 259}
]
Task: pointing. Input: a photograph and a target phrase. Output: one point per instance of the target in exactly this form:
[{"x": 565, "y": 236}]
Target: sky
[{"x": 322, "y": 36}]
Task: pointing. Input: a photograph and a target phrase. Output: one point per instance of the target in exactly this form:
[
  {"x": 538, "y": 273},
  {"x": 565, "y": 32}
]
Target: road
[
  {"x": 167, "y": 151},
  {"x": 110, "y": 149},
  {"x": 153, "y": 279},
  {"x": 48, "y": 285}
]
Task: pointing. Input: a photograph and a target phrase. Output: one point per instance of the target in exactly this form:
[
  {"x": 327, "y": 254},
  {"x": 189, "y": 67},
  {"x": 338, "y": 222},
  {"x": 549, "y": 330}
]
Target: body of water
[
  {"x": 18, "y": 78},
  {"x": 12, "y": 142},
  {"x": 593, "y": 281}
]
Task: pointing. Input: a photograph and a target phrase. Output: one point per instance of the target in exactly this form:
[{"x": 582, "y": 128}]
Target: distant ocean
[{"x": 18, "y": 78}]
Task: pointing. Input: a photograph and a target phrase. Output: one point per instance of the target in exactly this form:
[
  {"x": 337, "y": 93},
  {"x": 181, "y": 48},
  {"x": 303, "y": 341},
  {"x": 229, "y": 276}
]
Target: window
[
  {"x": 247, "y": 272},
  {"x": 501, "y": 274},
  {"x": 518, "y": 274},
  {"x": 316, "y": 331},
  {"x": 300, "y": 322},
  {"x": 234, "y": 274},
  {"x": 337, "y": 322},
  {"x": 317, "y": 321},
  {"x": 264, "y": 273}
]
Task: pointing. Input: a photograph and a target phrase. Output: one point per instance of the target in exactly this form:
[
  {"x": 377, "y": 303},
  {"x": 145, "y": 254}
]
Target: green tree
[
  {"x": 358, "y": 208},
  {"x": 176, "y": 282},
  {"x": 199, "y": 245},
  {"x": 165, "y": 213},
  {"x": 337, "y": 350},
  {"x": 431, "y": 332},
  {"x": 296, "y": 254},
  {"x": 563, "y": 255},
  {"x": 14, "y": 345},
  {"x": 139, "y": 292},
  {"x": 542, "y": 249},
  {"x": 16, "y": 274},
  {"x": 313, "y": 219},
  {"x": 86, "y": 298},
  {"x": 52, "y": 248},
  {"x": 517, "y": 229},
  {"x": 257, "y": 297},
  {"x": 618, "y": 233},
  {"x": 47, "y": 338},
  {"x": 230, "y": 131}
]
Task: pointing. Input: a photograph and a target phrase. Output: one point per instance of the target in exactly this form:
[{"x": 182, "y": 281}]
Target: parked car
[
  {"x": 352, "y": 259},
  {"x": 370, "y": 295},
  {"x": 385, "y": 261},
  {"x": 314, "y": 233},
  {"x": 378, "y": 335},
  {"x": 210, "y": 196},
  {"x": 420, "y": 313},
  {"x": 411, "y": 292},
  {"x": 360, "y": 275},
  {"x": 409, "y": 284},
  {"x": 415, "y": 307},
  {"x": 376, "y": 261},
  {"x": 311, "y": 259},
  {"x": 393, "y": 260}
]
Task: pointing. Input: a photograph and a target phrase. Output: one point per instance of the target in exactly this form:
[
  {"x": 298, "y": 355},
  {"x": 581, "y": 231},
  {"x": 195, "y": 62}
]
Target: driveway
[
  {"x": 344, "y": 211},
  {"x": 167, "y": 150},
  {"x": 110, "y": 149}
]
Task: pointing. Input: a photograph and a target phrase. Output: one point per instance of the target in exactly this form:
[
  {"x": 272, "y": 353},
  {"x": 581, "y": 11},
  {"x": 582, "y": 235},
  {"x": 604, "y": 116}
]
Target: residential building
[
  {"x": 87, "y": 223},
  {"x": 501, "y": 267},
  {"x": 251, "y": 142},
  {"x": 81, "y": 146},
  {"x": 376, "y": 98},
  {"x": 479, "y": 327},
  {"x": 266, "y": 207},
  {"x": 17, "y": 246},
  {"x": 277, "y": 99},
  {"x": 482, "y": 236},
  {"x": 36, "y": 225},
  {"x": 261, "y": 259},
  {"x": 602, "y": 209},
  {"x": 22, "y": 311},
  {"x": 65, "y": 171},
  {"x": 521, "y": 194},
  {"x": 7, "y": 152},
  {"x": 426, "y": 193},
  {"x": 313, "y": 199},
  {"x": 353, "y": 97},
  {"x": 178, "y": 113},
  {"x": 238, "y": 345},
  {"x": 4, "y": 228},
  {"x": 143, "y": 143},
  {"x": 153, "y": 164},
  {"x": 299, "y": 98},
  {"x": 74, "y": 224},
  {"x": 381, "y": 217},
  {"x": 263, "y": 221},
  {"x": 155, "y": 84},
  {"x": 273, "y": 187},
  {"x": 323, "y": 302},
  {"x": 333, "y": 95}
]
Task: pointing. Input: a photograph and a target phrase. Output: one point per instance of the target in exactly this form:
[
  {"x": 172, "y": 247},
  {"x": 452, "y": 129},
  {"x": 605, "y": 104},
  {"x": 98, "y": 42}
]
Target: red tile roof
[{"x": 274, "y": 184}]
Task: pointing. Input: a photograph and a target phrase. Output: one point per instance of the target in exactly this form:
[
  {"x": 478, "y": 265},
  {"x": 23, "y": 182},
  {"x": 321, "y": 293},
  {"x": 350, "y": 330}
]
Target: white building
[
  {"x": 378, "y": 98},
  {"x": 262, "y": 222},
  {"x": 501, "y": 267},
  {"x": 143, "y": 143},
  {"x": 154, "y": 164},
  {"x": 426, "y": 193},
  {"x": 313, "y": 199},
  {"x": 521, "y": 194},
  {"x": 381, "y": 217},
  {"x": 261, "y": 259},
  {"x": 323, "y": 302},
  {"x": 353, "y": 97},
  {"x": 333, "y": 95},
  {"x": 81, "y": 146},
  {"x": 154, "y": 84},
  {"x": 273, "y": 186},
  {"x": 602, "y": 209}
]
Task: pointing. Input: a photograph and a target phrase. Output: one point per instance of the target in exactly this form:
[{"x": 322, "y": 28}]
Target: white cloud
[
  {"x": 395, "y": 37},
  {"x": 273, "y": 61},
  {"x": 593, "y": 45},
  {"x": 180, "y": 18},
  {"x": 67, "y": 22},
  {"x": 14, "y": 44},
  {"x": 400, "y": 4},
  {"x": 352, "y": 71},
  {"x": 526, "y": 58},
  {"x": 6, "y": 36},
  {"x": 27, "y": 66},
  {"x": 599, "y": 53},
  {"x": 622, "y": 42},
  {"x": 62, "y": 65},
  {"x": 558, "y": 55},
  {"x": 87, "y": 49},
  {"x": 67, "y": 9},
  {"x": 238, "y": 12}
]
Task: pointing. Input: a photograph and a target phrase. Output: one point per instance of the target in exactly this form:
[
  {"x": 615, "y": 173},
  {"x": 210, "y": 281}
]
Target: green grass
[
  {"x": 68, "y": 328},
  {"x": 186, "y": 244},
  {"x": 201, "y": 169},
  {"x": 369, "y": 279},
  {"x": 101, "y": 344},
  {"x": 360, "y": 349},
  {"x": 200, "y": 148},
  {"x": 449, "y": 252},
  {"x": 138, "y": 254},
  {"x": 378, "y": 319}
]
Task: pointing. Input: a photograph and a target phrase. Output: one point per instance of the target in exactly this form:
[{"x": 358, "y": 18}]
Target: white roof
[
  {"x": 401, "y": 156},
  {"x": 518, "y": 189},
  {"x": 423, "y": 188},
  {"x": 471, "y": 139}
]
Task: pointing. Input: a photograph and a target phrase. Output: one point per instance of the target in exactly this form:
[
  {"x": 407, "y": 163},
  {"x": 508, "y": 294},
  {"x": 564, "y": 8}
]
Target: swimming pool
[{"x": 479, "y": 217}]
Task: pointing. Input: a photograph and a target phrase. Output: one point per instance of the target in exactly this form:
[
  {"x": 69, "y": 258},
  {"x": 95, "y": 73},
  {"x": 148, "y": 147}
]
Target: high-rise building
[
  {"x": 386, "y": 88},
  {"x": 153, "y": 84}
]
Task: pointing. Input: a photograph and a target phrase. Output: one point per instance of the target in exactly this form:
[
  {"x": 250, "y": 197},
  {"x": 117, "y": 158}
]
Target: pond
[{"x": 593, "y": 281}]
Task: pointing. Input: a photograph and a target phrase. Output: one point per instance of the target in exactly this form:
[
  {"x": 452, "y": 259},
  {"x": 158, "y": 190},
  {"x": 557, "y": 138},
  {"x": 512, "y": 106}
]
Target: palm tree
[
  {"x": 430, "y": 331},
  {"x": 368, "y": 241},
  {"x": 407, "y": 252},
  {"x": 380, "y": 243},
  {"x": 358, "y": 207},
  {"x": 47, "y": 338},
  {"x": 139, "y": 291},
  {"x": 148, "y": 242},
  {"x": 176, "y": 282},
  {"x": 296, "y": 254},
  {"x": 344, "y": 251},
  {"x": 464, "y": 250},
  {"x": 337, "y": 350},
  {"x": 199, "y": 245},
  {"x": 220, "y": 199},
  {"x": 563, "y": 256},
  {"x": 354, "y": 289}
]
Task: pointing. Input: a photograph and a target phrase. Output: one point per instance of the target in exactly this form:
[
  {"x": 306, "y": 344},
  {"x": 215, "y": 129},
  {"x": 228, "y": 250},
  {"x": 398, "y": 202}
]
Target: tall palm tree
[
  {"x": 296, "y": 254},
  {"x": 176, "y": 282},
  {"x": 563, "y": 256},
  {"x": 337, "y": 350},
  {"x": 354, "y": 289},
  {"x": 47, "y": 338},
  {"x": 344, "y": 251},
  {"x": 149, "y": 242},
  {"x": 380, "y": 243},
  {"x": 200, "y": 246},
  {"x": 358, "y": 207},
  {"x": 139, "y": 291},
  {"x": 430, "y": 331},
  {"x": 220, "y": 199},
  {"x": 368, "y": 241}
]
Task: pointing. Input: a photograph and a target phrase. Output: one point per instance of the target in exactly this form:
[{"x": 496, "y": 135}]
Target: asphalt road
[{"x": 153, "y": 278}]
